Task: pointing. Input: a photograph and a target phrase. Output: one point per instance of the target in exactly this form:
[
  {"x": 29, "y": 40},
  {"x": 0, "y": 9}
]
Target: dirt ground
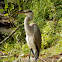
[{"x": 54, "y": 58}]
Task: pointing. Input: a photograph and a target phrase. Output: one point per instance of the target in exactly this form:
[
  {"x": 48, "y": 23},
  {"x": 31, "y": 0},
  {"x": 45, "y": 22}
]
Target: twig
[
  {"x": 19, "y": 58},
  {"x": 11, "y": 34}
]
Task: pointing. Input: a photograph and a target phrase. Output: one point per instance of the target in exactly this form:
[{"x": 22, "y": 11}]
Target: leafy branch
[{"x": 11, "y": 34}]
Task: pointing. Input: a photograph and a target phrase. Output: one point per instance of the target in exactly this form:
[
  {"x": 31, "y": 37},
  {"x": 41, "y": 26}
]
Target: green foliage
[
  {"x": 48, "y": 16},
  {"x": 25, "y": 49},
  {"x": 13, "y": 51},
  {"x": 1, "y": 10},
  {"x": 54, "y": 50},
  {"x": 1, "y": 60}
]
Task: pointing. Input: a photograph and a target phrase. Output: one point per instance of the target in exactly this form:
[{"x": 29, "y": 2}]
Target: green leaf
[
  {"x": 12, "y": 7},
  {"x": 2, "y": 10},
  {"x": 6, "y": 14},
  {"x": 6, "y": 1},
  {"x": 6, "y": 6},
  {"x": 1, "y": 60}
]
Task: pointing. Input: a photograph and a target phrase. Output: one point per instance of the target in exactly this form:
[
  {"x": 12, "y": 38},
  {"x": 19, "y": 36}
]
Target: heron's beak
[{"x": 21, "y": 13}]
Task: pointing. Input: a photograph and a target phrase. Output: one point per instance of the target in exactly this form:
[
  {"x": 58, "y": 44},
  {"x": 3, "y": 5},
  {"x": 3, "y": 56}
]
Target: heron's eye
[
  {"x": 26, "y": 11},
  {"x": 29, "y": 11}
]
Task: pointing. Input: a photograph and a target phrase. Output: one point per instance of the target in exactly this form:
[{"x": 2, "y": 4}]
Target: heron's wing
[{"x": 37, "y": 37}]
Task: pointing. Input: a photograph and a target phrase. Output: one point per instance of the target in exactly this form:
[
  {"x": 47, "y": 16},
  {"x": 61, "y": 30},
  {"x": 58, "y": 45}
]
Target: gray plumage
[{"x": 33, "y": 35}]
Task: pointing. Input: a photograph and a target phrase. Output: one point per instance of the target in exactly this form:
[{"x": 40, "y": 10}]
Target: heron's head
[{"x": 28, "y": 13}]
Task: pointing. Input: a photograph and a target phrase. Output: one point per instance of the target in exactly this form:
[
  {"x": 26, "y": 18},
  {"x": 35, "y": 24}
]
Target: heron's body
[
  {"x": 33, "y": 35},
  {"x": 32, "y": 38}
]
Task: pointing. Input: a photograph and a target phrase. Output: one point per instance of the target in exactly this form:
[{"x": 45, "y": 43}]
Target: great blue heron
[{"x": 33, "y": 35}]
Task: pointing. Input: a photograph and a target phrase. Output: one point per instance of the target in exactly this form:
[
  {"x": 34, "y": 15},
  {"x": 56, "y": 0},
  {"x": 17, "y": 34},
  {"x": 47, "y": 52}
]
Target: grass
[
  {"x": 16, "y": 51},
  {"x": 12, "y": 51},
  {"x": 54, "y": 50}
]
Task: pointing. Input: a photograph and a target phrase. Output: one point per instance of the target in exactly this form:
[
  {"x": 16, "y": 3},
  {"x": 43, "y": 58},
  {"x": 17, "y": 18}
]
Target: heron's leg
[
  {"x": 29, "y": 55},
  {"x": 36, "y": 55},
  {"x": 35, "y": 60}
]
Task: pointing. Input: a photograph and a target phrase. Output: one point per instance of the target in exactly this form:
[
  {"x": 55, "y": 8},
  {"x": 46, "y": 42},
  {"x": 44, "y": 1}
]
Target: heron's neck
[{"x": 26, "y": 24}]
